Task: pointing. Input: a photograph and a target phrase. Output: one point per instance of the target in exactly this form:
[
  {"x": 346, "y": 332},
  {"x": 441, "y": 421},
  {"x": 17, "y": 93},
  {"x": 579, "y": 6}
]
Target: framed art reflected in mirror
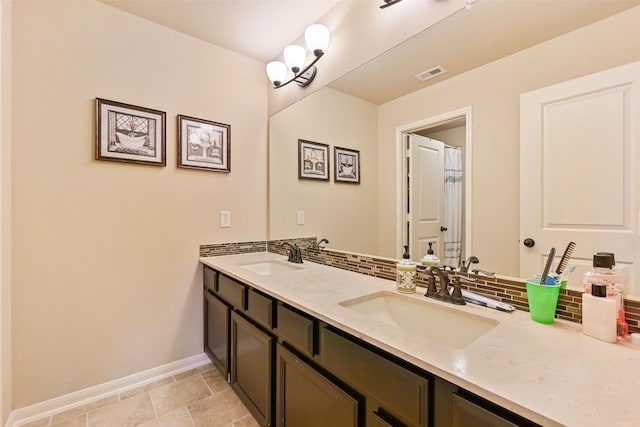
[
  {"x": 313, "y": 160},
  {"x": 347, "y": 165}
]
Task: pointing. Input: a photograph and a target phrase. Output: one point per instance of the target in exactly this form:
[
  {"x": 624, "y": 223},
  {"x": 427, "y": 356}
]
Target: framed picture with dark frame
[
  {"x": 204, "y": 144},
  {"x": 128, "y": 133},
  {"x": 313, "y": 160},
  {"x": 347, "y": 165}
]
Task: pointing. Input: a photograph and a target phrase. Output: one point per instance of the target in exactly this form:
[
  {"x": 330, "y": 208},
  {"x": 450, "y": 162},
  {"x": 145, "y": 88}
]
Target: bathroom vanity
[{"x": 307, "y": 345}]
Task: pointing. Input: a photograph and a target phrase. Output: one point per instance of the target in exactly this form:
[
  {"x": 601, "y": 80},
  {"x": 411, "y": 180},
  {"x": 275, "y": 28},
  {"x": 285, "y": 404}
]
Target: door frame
[{"x": 401, "y": 168}]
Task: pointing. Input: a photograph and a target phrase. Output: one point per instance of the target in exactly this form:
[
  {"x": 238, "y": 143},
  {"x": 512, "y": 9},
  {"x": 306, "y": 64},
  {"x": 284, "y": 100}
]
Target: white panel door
[
  {"x": 578, "y": 171},
  {"x": 426, "y": 196}
]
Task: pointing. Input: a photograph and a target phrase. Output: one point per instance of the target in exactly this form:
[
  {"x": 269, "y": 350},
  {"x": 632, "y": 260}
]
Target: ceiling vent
[{"x": 429, "y": 74}]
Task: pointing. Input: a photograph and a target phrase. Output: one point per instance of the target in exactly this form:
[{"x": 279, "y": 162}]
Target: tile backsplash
[{"x": 511, "y": 291}]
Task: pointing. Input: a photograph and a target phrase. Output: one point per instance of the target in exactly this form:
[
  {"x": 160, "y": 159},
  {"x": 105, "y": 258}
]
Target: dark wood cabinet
[
  {"x": 252, "y": 360},
  {"x": 292, "y": 370},
  {"x": 216, "y": 334},
  {"x": 307, "y": 398},
  {"x": 237, "y": 321}
]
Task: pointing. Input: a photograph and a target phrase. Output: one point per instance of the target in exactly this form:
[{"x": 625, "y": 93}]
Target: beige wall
[
  {"x": 343, "y": 213},
  {"x": 106, "y": 280},
  {"x": 493, "y": 91},
  {"x": 5, "y": 212}
]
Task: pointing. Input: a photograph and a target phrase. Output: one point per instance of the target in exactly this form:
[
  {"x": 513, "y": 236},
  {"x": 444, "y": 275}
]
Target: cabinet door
[
  {"x": 306, "y": 398},
  {"x": 467, "y": 413},
  {"x": 216, "y": 334},
  {"x": 251, "y": 367}
]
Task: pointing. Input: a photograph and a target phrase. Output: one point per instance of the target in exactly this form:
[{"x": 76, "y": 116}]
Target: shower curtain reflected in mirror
[{"x": 452, "y": 205}]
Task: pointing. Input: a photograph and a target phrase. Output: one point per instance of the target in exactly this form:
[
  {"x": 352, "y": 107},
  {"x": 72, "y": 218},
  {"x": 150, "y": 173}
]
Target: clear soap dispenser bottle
[
  {"x": 430, "y": 259},
  {"x": 406, "y": 273}
]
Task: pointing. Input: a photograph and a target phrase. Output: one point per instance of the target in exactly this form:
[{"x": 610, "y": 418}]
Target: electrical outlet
[
  {"x": 300, "y": 217},
  {"x": 225, "y": 219}
]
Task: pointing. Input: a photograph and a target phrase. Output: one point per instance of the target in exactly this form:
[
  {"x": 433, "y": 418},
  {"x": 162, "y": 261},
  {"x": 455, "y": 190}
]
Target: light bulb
[
  {"x": 276, "y": 71},
  {"x": 295, "y": 57},
  {"x": 317, "y": 38}
]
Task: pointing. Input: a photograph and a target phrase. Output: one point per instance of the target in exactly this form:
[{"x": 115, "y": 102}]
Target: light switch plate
[
  {"x": 225, "y": 219},
  {"x": 300, "y": 217}
]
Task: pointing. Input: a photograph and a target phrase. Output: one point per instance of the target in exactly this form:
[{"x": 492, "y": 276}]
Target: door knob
[
  {"x": 529, "y": 242},
  {"x": 443, "y": 228}
]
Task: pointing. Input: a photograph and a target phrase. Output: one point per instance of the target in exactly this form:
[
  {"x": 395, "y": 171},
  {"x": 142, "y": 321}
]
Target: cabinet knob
[
  {"x": 529, "y": 242},
  {"x": 443, "y": 228}
]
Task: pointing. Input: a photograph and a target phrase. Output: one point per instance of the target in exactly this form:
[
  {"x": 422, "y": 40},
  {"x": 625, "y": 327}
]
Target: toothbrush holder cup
[{"x": 543, "y": 300}]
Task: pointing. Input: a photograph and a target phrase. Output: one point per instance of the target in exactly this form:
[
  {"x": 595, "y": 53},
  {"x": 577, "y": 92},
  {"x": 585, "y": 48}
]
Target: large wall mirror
[{"x": 493, "y": 53}]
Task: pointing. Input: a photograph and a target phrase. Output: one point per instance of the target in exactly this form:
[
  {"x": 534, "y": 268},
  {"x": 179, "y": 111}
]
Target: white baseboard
[{"x": 82, "y": 397}]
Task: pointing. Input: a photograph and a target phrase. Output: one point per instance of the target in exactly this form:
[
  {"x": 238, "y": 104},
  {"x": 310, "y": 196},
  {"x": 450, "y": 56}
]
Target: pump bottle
[
  {"x": 406, "y": 273},
  {"x": 430, "y": 259}
]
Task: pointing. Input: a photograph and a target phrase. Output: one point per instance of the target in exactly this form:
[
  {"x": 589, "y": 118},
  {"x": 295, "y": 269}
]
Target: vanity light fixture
[
  {"x": 317, "y": 38},
  {"x": 388, "y": 3}
]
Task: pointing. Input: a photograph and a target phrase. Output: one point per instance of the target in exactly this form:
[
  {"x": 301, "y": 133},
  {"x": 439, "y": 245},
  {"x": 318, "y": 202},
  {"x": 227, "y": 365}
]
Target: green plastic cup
[{"x": 543, "y": 300}]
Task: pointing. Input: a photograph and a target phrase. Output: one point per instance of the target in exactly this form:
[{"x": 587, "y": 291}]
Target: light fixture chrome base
[{"x": 304, "y": 79}]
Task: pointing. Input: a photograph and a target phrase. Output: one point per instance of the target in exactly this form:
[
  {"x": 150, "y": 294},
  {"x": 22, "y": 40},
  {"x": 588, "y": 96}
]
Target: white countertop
[{"x": 550, "y": 374}]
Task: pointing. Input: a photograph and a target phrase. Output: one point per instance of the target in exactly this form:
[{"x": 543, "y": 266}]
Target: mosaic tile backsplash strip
[
  {"x": 512, "y": 292},
  {"x": 232, "y": 248}
]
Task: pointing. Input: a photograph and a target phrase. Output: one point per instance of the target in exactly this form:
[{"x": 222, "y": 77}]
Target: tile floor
[{"x": 197, "y": 398}]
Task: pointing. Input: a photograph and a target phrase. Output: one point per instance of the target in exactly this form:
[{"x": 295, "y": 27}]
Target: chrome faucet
[{"x": 295, "y": 254}]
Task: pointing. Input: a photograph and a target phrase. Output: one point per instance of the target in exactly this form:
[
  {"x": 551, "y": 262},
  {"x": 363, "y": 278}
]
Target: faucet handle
[
  {"x": 456, "y": 295},
  {"x": 431, "y": 286}
]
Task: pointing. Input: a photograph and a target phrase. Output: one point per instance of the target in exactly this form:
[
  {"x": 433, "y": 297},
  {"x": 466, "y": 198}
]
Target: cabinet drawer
[
  {"x": 260, "y": 308},
  {"x": 402, "y": 393},
  {"x": 295, "y": 329},
  {"x": 231, "y": 291},
  {"x": 210, "y": 279}
]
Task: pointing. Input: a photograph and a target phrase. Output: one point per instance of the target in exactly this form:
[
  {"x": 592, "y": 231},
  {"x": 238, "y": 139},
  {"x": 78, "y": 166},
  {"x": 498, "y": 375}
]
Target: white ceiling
[{"x": 490, "y": 30}]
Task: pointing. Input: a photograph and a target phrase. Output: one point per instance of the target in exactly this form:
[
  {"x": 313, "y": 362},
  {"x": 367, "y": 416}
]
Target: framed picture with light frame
[
  {"x": 128, "y": 133},
  {"x": 313, "y": 160},
  {"x": 204, "y": 144},
  {"x": 347, "y": 165}
]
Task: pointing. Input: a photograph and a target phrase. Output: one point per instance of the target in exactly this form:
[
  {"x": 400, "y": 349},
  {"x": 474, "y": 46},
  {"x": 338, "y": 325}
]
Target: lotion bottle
[
  {"x": 599, "y": 314},
  {"x": 406, "y": 274}
]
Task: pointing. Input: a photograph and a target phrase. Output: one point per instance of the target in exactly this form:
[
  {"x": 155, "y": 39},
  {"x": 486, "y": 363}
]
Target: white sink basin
[
  {"x": 448, "y": 326},
  {"x": 266, "y": 268}
]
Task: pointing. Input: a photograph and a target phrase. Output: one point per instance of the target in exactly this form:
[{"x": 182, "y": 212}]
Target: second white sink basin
[
  {"x": 451, "y": 327},
  {"x": 267, "y": 268}
]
